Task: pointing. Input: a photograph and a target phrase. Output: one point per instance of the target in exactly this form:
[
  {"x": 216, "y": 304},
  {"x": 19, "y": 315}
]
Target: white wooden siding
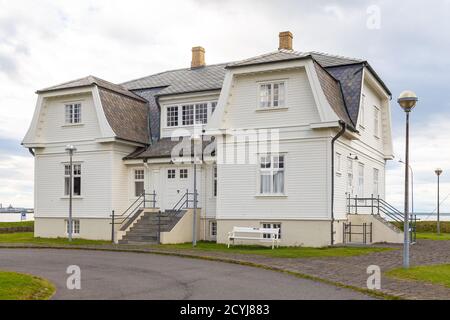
[
  {"x": 52, "y": 126},
  {"x": 244, "y": 110},
  {"x": 306, "y": 186}
]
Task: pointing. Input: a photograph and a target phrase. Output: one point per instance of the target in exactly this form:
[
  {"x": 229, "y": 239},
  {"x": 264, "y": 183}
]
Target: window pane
[
  {"x": 66, "y": 186},
  {"x": 213, "y": 106},
  {"x": 183, "y": 173},
  {"x": 171, "y": 173},
  {"x": 188, "y": 115},
  {"x": 278, "y": 182},
  {"x": 281, "y": 94},
  {"x": 77, "y": 169},
  {"x": 77, "y": 186},
  {"x": 172, "y": 116},
  {"x": 139, "y": 174},
  {"x": 138, "y": 188},
  {"x": 201, "y": 113},
  {"x": 77, "y": 113},
  {"x": 265, "y": 183}
]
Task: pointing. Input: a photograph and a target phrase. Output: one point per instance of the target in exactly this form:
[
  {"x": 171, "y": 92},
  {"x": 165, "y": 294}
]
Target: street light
[
  {"x": 71, "y": 150},
  {"x": 412, "y": 187},
  {"x": 407, "y": 100},
  {"x": 195, "y": 138},
  {"x": 438, "y": 172}
]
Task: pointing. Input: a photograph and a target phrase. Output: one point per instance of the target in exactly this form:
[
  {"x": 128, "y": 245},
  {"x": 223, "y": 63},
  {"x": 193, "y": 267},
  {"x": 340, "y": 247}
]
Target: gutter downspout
[
  {"x": 31, "y": 151},
  {"x": 339, "y": 134}
]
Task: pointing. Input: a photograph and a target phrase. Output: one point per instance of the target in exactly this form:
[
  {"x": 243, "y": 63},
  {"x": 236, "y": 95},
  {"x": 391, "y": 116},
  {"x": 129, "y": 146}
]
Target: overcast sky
[{"x": 45, "y": 42}]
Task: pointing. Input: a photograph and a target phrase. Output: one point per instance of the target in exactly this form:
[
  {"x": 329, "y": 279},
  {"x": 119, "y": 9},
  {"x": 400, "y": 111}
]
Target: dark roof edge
[
  {"x": 267, "y": 62},
  {"x": 187, "y": 92},
  {"x": 368, "y": 66},
  {"x": 131, "y": 96}
]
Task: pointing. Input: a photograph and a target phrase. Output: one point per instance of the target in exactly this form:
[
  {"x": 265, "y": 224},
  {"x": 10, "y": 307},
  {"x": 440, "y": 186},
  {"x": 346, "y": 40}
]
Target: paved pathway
[
  {"x": 344, "y": 270},
  {"x": 126, "y": 275}
]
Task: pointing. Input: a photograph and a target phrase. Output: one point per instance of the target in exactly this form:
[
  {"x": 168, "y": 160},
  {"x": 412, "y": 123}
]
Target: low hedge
[
  {"x": 429, "y": 226},
  {"x": 17, "y": 229}
]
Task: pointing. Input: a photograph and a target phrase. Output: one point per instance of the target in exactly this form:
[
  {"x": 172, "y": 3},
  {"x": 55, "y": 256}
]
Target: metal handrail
[
  {"x": 130, "y": 212},
  {"x": 385, "y": 208}
]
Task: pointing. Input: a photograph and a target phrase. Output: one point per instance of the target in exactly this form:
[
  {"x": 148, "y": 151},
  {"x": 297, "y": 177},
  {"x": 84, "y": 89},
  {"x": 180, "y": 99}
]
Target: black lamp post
[{"x": 407, "y": 100}]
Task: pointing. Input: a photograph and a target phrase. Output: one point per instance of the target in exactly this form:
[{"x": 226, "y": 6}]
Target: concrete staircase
[{"x": 145, "y": 229}]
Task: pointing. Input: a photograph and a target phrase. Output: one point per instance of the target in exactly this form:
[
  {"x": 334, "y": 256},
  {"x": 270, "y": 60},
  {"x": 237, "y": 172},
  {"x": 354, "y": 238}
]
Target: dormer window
[
  {"x": 272, "y": 95},
  {"x": 189, "y": 114},
  {"x": 73, "y": 113}
]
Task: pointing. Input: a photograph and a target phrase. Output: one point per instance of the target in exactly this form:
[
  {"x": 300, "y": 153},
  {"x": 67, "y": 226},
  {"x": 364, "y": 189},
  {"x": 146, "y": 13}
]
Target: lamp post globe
[
  {"x": 407, "y": 100},
  {"x": 438, "y": 171}
]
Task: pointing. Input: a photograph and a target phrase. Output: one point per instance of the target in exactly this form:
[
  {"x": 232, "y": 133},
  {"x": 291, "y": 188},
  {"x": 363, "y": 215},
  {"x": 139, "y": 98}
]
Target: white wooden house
[{"x": 290, "y": 139}]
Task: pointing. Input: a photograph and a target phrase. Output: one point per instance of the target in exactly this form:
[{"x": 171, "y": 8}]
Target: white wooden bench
[{"x": 245, "y": 233}]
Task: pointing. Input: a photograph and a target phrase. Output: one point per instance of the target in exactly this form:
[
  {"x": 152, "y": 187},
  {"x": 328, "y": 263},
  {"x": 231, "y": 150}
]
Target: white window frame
[
  {"x": 376, "y": 182},
  {"x": 184, "y": 174},
  {"x": 271, "y": 172},
  {"x": 213, "y": 229},
  {"x": 362, "y": 111},
  {"x": 376, "y": 122},
  {"x": 338, "y": 163},
  {"x": 75, "y": 226},
  {"x": 171, "y": 174},
  {"x": 350, "y": 175},
  {"x": 72, "y": 113},
  {"x": 169, "y": 122},
  {"x": 77, "y": 174},
  {"x": 271, "y": 96},
  {"x": 361, "y": 171},
  {"x": 172, "y": 116},
  {"x": 138, "y": 177},
  {"x": 271, "y": 225}
]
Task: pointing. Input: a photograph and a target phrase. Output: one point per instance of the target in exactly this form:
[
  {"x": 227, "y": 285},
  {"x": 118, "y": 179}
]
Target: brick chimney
[
  {"x": 198, "y": 57},
  {"x": 285, "y": 40}
]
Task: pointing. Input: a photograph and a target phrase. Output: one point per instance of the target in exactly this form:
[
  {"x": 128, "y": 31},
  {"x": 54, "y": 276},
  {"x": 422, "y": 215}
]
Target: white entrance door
[{"x": 178, "y": 180}]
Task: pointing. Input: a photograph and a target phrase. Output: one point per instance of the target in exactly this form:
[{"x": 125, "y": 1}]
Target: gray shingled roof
[
  {"x": 205, "y": 78},
  {"x": 163, "y": 149},
  {"x": 126, "y": 112},
  {"x": 333, "y": 93},
  {"x": 326, "y": 60},
  {"x": 90, "y": 81},
  {"x": 127, "y": 117}
]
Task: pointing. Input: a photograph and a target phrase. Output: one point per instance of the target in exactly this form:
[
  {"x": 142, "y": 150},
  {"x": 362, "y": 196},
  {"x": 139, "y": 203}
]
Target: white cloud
[
  {"x": 46, "y": 42},
  {"x": 429, "y": 149}
]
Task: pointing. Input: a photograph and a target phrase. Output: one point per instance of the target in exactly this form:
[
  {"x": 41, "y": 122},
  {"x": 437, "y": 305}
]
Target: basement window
[
  {"x": 75, "y": 226},
  {"x": 268, "y": 225}
]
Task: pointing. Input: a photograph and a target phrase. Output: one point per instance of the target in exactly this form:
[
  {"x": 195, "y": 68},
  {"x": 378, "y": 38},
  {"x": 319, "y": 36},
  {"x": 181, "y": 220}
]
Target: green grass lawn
[
  {"x": 17, "y": 286},
  {"x": 16, "y": 224},
  {"x": 433, "y": 236},
  {"x": 28, "y": 237},
  {"x": 282, "y": 252},
  {"x": 437, "y": 274}
]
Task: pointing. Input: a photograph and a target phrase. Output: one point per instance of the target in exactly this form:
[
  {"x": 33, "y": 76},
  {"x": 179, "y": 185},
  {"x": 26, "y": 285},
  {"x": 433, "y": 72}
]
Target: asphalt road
[{"x": 119, "y": 275}]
